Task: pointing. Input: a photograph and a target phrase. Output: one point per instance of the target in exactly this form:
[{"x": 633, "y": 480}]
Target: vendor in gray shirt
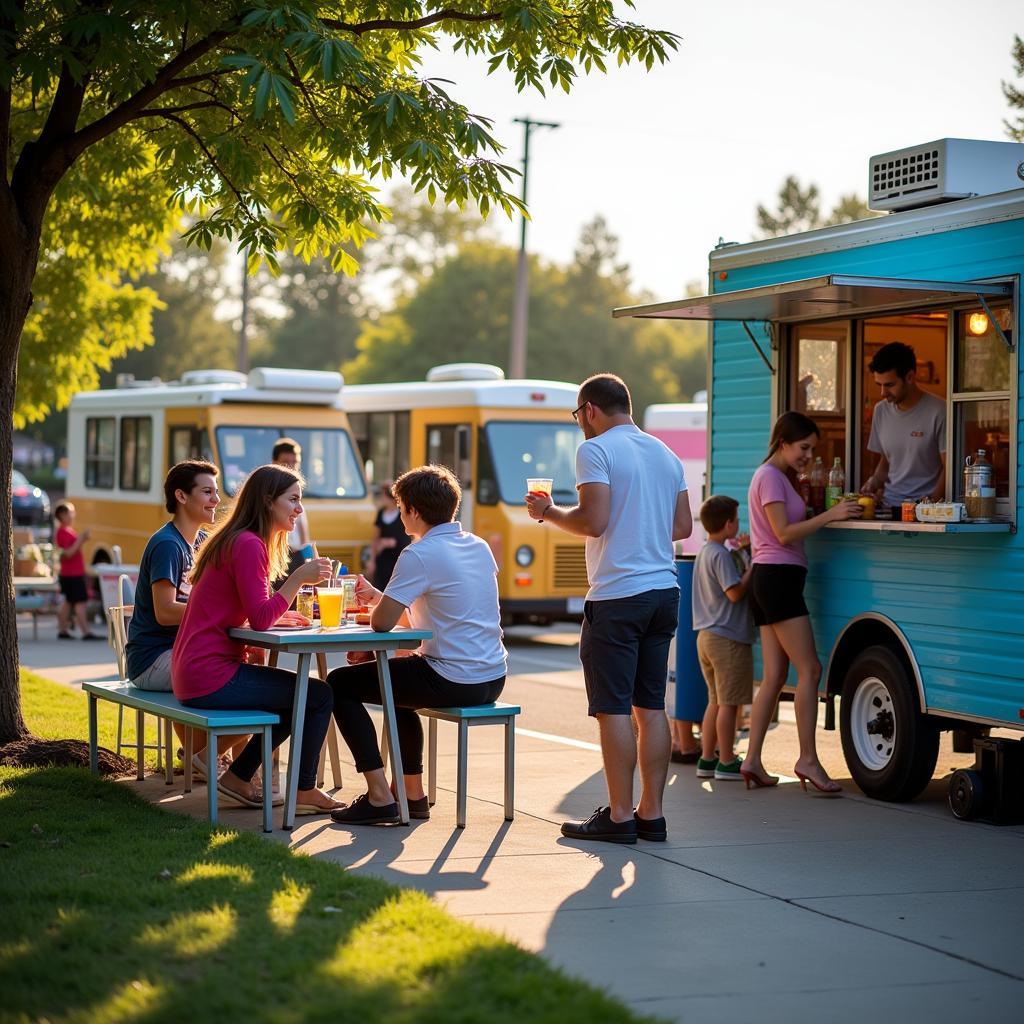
[{"x": 908, "y": 432}]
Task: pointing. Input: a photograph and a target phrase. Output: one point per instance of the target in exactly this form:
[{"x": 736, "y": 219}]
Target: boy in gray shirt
[{"x": 725, "y": 636}]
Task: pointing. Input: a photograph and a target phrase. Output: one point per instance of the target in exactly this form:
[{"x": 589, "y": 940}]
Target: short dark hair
[
  {"x": 182, "y": 477},
  {"x": 894, "y": 356},
  {"x": 286, "y": 444},
  {"x": 608, "y": 392},
  {"x": 433, "y": 491},
  {"x": 62, "y": 508},
  {"x": 717, "y": 512}
]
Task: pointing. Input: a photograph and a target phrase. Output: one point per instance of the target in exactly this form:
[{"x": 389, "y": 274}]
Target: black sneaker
[
  {"x": 654, "y": 830},
  {"x": 65, "y": 636},
  {"x": 419, "y": 809},
  {"x": 599, "y": 826},
  {"x": 362, "y": 812}
]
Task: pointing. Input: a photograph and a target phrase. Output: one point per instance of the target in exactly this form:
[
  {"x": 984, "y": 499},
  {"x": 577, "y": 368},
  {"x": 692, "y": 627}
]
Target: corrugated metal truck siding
[{"x": 959, "y": 599}]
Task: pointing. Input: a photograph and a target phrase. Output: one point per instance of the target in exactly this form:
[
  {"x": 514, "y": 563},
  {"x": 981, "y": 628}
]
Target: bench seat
[
  {"x": 215, "y": 723},
  {"x": 497, "y": 713}
]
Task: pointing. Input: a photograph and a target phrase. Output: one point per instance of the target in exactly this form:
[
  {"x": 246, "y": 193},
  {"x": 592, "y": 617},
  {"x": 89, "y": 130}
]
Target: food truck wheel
[
  {"x": 890, "y": 747},
  {"x": 966, "y": 794}
]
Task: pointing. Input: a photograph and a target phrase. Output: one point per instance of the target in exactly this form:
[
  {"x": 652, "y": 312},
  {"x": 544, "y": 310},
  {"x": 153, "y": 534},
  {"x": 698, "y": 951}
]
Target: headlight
[{"x": 524, "y": 555}]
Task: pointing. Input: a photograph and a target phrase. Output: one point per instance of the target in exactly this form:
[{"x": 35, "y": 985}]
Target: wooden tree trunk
[{"x": 16, "y": 269}]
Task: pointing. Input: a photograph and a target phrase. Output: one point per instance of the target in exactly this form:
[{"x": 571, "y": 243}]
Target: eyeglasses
[{"x": 576, "y": 412}]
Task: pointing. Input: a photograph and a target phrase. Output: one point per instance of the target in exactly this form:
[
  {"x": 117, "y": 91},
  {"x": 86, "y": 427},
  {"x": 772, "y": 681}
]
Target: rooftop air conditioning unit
[
  {"x": 941, "y": 171},
  {"x": 272, "y": 378},
  {"x": 201, "y": 378},
  {"x": 465, "y": 371}
]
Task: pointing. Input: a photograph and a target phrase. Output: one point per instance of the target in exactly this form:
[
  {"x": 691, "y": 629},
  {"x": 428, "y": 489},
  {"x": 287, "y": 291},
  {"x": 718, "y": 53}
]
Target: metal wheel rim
[{"x": 871, "y": 698}]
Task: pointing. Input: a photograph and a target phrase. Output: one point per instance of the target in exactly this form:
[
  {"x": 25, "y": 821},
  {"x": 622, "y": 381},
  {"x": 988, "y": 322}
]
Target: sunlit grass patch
[{"x": 116, "y": 911}]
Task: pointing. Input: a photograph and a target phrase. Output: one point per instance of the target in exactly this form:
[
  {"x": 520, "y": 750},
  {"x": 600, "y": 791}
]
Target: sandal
[
  {"x": 306, "y": 807},
  {"x": 252, "y": 799}
]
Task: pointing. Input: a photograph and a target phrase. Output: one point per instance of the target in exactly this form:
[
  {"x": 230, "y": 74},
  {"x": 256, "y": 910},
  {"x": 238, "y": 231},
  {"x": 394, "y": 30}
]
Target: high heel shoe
[
  {"x": 830, "y": 787},
  {"x": 758, "y": 781}
]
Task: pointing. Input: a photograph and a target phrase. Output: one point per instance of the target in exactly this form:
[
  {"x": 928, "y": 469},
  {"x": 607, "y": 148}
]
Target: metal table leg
[
  {"x": 387, "y": 701},
  {"x": 295, "y": 743}
]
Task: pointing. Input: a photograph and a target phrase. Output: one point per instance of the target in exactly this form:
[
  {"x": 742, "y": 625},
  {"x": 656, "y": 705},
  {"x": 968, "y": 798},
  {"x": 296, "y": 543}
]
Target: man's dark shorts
[{"x": 624, "y": 649}]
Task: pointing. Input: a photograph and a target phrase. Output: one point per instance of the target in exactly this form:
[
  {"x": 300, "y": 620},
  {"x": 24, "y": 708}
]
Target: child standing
[
  {"x": 725, "y": 637},
  {"x": 72, "y": 574}
]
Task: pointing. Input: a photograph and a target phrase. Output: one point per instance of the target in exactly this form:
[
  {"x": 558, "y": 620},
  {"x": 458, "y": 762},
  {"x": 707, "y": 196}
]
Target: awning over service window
[{"x": 834, "y": 295}]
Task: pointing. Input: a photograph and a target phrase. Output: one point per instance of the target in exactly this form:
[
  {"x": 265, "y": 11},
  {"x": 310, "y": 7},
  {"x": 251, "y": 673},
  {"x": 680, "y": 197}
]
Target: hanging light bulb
[{"x": 977, "y": 324}]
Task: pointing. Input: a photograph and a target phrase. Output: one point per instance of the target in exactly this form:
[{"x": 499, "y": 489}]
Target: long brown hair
[
  {"x": 252, "y": 511},
  {"x": 789, "y": 428}
]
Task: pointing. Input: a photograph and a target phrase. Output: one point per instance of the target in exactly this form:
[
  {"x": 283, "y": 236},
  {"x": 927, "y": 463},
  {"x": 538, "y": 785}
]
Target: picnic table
[
  {"x": 25, "y": 587},
  {"x": 313, "y": 641}
]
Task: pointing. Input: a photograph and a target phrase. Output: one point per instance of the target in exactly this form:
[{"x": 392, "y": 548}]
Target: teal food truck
[{"x": 919, "y": 625}]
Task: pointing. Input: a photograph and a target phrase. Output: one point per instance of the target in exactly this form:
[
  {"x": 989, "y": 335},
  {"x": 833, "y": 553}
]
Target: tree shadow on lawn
[{"x": 115, "y": 910}]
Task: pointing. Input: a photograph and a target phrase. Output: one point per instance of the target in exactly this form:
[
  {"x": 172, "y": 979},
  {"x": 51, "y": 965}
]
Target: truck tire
[{"x": 890, "y": 747}]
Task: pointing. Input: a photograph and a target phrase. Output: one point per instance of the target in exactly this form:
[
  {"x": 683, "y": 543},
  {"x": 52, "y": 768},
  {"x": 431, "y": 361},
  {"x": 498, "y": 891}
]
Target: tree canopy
[
  {"x": 264, "y": 122},
  {"x": 1014, "y": 95}
]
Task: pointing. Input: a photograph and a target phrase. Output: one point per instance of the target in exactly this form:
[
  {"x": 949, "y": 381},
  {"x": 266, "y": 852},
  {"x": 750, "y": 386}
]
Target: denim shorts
[{"x": 624, "y": 650}]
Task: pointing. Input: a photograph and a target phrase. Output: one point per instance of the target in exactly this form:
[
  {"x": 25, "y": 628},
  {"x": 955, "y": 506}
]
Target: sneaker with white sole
[
  {"x": 725, "y": 772},
  {"x": 706, "y": 768}
]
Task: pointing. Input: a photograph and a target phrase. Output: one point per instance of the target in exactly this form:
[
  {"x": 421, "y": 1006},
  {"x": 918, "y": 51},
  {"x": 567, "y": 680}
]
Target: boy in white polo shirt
[{"x": 445, "y": 581}]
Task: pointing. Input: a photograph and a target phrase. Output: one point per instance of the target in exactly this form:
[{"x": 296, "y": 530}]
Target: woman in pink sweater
[{"x": 230, "y": 585}]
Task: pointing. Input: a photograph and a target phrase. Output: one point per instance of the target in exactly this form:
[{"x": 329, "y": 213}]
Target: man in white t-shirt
[
  {"x": 446, "y": 581},
  {"x": 632, "y": 506}
]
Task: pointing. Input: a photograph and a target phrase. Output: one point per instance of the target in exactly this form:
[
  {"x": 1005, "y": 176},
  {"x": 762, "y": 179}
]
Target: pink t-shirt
[
  {"x": 205, "y": 657},
  {"x": 767, "y": 486}
]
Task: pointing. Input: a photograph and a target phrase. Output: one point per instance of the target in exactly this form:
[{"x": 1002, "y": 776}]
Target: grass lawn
[{"x": 113, "y": 910}]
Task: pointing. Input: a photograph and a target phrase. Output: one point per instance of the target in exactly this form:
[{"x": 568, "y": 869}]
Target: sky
[{"x": 680, "y": 156}]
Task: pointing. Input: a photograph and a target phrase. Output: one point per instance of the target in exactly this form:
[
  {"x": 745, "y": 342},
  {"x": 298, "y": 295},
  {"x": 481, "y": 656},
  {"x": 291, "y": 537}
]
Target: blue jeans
[{"x": 256, "y": 687}]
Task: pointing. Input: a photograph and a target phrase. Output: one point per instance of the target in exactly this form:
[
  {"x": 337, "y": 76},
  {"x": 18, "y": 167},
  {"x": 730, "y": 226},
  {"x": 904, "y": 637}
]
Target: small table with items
[{"x": 313, "y": 641}]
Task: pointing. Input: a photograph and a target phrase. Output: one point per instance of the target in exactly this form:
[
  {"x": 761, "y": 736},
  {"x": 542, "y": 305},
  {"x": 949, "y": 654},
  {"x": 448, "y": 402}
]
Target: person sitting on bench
[
  {"x": 231, "y": 584},
  {"x": 446, "y": 581}
]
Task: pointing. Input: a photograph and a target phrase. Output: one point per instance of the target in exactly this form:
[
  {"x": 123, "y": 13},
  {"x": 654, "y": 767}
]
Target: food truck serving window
[{"x": 961, "y": 359}]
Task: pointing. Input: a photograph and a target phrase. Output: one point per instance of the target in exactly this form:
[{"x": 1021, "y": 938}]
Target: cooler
[{"x": 691, "y": 690}]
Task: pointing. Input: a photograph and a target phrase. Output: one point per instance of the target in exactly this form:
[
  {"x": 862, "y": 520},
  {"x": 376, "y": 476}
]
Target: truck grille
[
  {"x": 571, "y": 568},
  {"x": 347, "y": 556}
]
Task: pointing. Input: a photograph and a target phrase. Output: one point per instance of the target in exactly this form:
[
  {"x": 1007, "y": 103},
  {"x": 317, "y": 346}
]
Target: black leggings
[{"x": 414, "y": 685}]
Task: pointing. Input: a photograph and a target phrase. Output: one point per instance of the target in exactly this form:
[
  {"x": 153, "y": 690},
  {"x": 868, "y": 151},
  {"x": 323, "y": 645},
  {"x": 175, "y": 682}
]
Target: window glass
[
  {"x": 817, "y": 381},
  {"x": 188, "y": 443},
  {"x": 521, "y": 450},
  {"x": 329, "y": 461},
  {"x": 136, "y": 453},
  {"x": 984, "y": 426},
  {"x": 982, "y": 358},
  {"x": 100, "y": 434}
]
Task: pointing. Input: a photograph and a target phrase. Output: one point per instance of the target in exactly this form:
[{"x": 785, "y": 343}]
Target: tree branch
[
  {"x": 448, "y": 14},
  {"x": 188, "y": 129}
]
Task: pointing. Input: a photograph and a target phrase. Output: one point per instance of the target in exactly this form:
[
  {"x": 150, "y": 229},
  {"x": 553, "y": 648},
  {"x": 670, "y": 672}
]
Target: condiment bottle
[
  {"x": 818, "y": 487},
  {"x": 836, "y": 483}
]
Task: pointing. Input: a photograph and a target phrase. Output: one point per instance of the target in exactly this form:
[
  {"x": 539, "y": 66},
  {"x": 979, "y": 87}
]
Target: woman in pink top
[
  {"x": 230, "y": 585},
  {"x": 778, "y": 526}
]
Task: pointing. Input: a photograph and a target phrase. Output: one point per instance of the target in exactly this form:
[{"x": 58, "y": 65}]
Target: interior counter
[{"x": 894, "y": 526}]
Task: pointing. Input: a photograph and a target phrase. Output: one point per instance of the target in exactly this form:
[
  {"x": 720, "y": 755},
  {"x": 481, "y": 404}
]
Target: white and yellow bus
[
  {"x": 122, "y": 441},
  {"x": 493, "y": 434}
]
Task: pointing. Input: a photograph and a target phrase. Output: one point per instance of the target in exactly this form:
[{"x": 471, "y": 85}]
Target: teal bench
[
  {"x": 485, "y": 714},
  {"x": 34, "y": 605},
  {"x": 215, "y": 723}
]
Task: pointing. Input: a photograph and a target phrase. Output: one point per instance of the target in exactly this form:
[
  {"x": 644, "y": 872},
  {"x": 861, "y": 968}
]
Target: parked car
[{"x": 30, "y": 505}]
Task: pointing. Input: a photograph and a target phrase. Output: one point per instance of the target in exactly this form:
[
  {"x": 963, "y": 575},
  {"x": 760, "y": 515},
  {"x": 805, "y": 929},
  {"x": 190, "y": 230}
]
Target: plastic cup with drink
[
  {"x": 331, "y": 597},
  {"x": 539, "y": 485}
]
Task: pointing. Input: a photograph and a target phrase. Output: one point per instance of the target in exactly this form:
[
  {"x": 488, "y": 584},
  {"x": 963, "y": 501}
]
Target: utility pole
[
  {"x": 521, "y": 302},
  {"x": 243, "y": 327}
]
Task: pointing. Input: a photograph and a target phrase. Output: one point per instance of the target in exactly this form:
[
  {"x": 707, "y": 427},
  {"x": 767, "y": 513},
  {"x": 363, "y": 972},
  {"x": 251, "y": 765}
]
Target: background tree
[
  {"x": 1015, "y": 96},
  {"x": 798, "y": 208},
  {"x": 461, "y": 312},
  {"x": 186, "y": 332},
  {"x": 264, "y": 121}
]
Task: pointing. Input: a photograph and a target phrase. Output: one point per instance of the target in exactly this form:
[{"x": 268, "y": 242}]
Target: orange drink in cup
[
  {"x": 539, "y": 485},
  {"x": 330, "y": 599}
]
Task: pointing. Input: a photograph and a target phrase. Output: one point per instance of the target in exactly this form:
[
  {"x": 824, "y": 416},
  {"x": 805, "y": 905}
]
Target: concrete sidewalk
[{"x": 767, "y": 905}]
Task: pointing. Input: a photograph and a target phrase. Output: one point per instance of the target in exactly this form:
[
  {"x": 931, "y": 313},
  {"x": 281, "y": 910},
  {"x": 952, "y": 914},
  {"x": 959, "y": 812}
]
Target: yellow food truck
[
  {"x": 122, "y": 441},
  {"x": 493, "y": 434}
]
